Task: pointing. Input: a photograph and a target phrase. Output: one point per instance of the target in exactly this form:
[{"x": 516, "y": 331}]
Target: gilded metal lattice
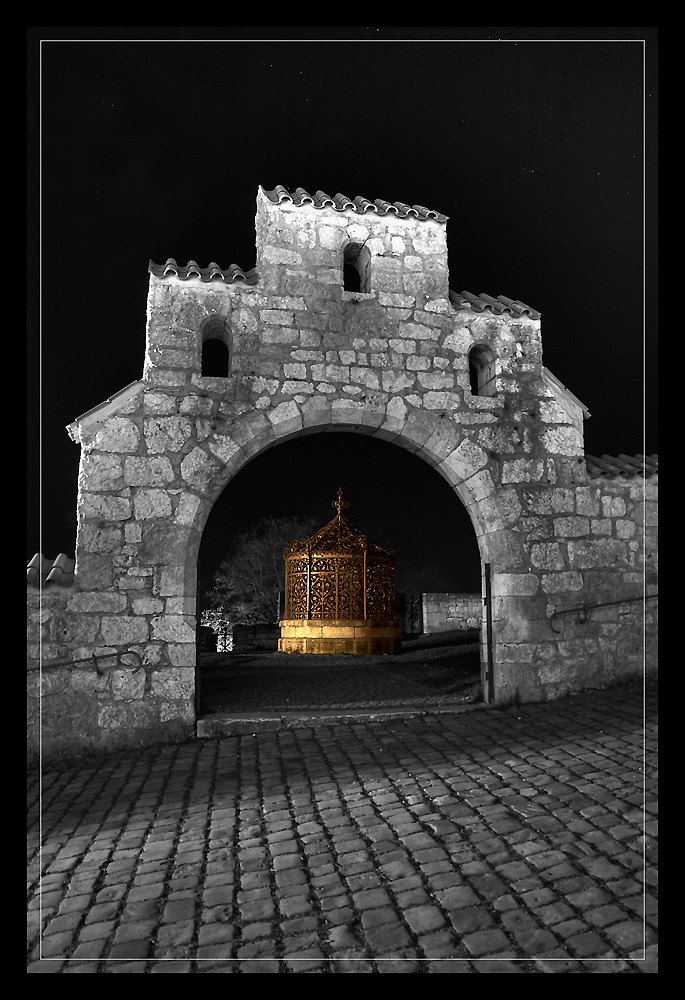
[{"x": 339, "y": 573}]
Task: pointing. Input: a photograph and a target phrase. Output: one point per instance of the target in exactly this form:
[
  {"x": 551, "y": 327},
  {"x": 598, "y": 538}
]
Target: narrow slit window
[
  {"x": 356, "y": 268},
  {"x": 215, "y": 354},
  {"x": 482, "y": 371}
]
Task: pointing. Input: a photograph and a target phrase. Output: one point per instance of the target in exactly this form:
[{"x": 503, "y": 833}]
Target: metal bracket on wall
[
  {"x": 94, "y": 660},
  {"x": 582, "y": 611}
]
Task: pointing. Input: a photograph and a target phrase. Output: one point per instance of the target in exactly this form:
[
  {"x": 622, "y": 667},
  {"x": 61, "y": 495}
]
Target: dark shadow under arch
[{"x": 394, "y": 495}]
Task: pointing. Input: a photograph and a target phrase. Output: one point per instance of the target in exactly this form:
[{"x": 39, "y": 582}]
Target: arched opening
[
  {"x": 389, "y": 491},
  {"x": 482, "y": 370},
  {"x": 356, "y": 268},
  {"x": 215, "y": 351}
]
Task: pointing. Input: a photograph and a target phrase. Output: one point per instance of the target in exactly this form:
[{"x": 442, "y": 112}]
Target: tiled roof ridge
[
  {"x": 41, "y": 571},
  {"x": 341, "y": 202},
  {"x": 211, "y": 273},
  {"x": 622, "y": 466},
  {"x": 499, "y": 305}
]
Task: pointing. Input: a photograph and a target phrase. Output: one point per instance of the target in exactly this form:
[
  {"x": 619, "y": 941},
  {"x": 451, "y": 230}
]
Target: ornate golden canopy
[{"x": 339, "y": 576}]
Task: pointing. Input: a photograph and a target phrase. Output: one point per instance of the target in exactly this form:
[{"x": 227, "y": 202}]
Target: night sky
[{"x": 540, "y": 147}]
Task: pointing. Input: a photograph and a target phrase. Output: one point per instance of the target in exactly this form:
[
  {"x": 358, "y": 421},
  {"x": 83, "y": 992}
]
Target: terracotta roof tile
[
  {"x": 211, "y": 273},
  {"x": 361, "y": 205},
  {"x": 41, "y": 572},
  {"x": 499, "y": 305},
  {"x": 622, "y": 467}
]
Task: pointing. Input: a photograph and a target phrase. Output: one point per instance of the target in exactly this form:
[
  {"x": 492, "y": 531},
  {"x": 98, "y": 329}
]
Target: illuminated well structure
[{"x": 339, "y": 592}]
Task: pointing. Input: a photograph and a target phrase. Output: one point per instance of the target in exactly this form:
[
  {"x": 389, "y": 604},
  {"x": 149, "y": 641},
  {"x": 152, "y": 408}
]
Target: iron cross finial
[{"x": 339, "y": 503}]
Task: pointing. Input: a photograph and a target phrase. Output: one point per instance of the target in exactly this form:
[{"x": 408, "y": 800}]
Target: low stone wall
[
  {"x": 446, "y": 612},
  {"x": 255, "y": 638},
  {"x": 103, "y": 704},
  {"x": 604, "y": 558}
]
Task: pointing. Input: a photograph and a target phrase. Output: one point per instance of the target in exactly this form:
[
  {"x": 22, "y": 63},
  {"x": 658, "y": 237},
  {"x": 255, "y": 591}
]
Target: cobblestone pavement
[
  {"x": 516, "y": 840},
  {"x": 439, "y": 668}
]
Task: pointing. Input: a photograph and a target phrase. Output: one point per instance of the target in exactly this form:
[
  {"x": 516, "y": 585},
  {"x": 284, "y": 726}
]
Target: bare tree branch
[{"x": 250, "y": 579}]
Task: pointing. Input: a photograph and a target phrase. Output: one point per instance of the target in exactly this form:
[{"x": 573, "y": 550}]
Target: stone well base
[{"x": 357, "y": 636}]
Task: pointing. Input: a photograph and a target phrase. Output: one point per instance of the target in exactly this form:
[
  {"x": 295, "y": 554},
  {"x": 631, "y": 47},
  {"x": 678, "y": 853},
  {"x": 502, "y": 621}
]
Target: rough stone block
[
  {"x": 153, "y": 471},
  {"x": 435, "y": 380},
  {"x": 112, "y": 717},
  {"x": 443, "y": 440},
  {"x": 554, "y": 583},
  {"x": 365, "y": 376},
  {"x": 375, "y": 411},
  {"x": 101, "y": 472},
  {"x": 587, "y": 500},
  {"x": 199, "y": 469},
  {"x": 173, "y": 628},
  {"x": 144, "y": 715},
  {"x": 181, "y": 654},
  {"x": 187, "y": 506},
  {"x": 437, "y": 400},
  {"x": 547, "y": 555},
  {"x": 118, "y": 435},
  {"x": 402, "y": 346},
  {"x": 173, "y": 683},
  {"x": 562, "y": 440},
  {"x": 102, "y": 540},
  {"x": 159, "y": 403},
  {"x": 105, "y": 507},
  {"x": 513, "y": 584},
  {"x": 416, "y": 363},
  {"x": 606, "y": 553},
  {"x": 571, "y": 527},
  {"x": 126, "y": 685},
  {"x": 348, "y": 411},
  {"x": 122, "y": 630},
  {"x": 522, "y": 470},
  {"x": 92, "y": 602},
  {"x": 286, "y": 418},
  {"x": 167, "y": 434},
  {"x": 396, "y": 381},
  {"x": 279, "y": 255},
  {"x": 613, "y": 506},
  {"x": 465, "y": 460},
  {"x": 151, "y": 503}
]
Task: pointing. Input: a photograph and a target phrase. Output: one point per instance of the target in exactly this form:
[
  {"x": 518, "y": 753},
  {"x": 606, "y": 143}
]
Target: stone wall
[
  {"x": 305, "y": 355},
  {"x": 604, "y": 551},
  {"x": 256, "y": 638},
  {"x": 445, "y": 612},
  {"x": 102, "y": 704}
]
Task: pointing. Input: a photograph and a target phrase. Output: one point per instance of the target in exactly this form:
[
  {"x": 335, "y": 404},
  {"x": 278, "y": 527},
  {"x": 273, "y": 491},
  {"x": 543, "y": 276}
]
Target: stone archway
[
  {"x": 492, "y": 527},
  {"x": 309, "y": 356}
]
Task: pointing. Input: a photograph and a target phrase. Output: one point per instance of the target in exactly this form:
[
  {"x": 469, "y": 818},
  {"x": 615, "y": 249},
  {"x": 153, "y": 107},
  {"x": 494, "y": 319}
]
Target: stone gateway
[{"x": 346, "y": 322}]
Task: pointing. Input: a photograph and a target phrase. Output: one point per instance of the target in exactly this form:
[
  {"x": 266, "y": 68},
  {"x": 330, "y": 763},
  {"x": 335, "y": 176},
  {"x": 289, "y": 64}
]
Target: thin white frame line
[
  {"x": 458, "y": 41},
  {"x": 372, "y": 41}
]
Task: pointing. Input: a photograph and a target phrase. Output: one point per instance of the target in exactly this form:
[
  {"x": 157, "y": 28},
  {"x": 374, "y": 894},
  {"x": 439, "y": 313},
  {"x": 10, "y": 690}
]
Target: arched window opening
[
  {"x": 215, "y": 355},
  {"x": 482, "y": 371},
  {"x": 356, "y": 268}
]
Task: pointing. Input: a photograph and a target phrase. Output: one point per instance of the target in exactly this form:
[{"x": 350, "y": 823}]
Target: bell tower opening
[
  {"x": 215, "y": 351},
  {"x": 356, "y": 268},
  {"x": 482, "y": 370}
]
